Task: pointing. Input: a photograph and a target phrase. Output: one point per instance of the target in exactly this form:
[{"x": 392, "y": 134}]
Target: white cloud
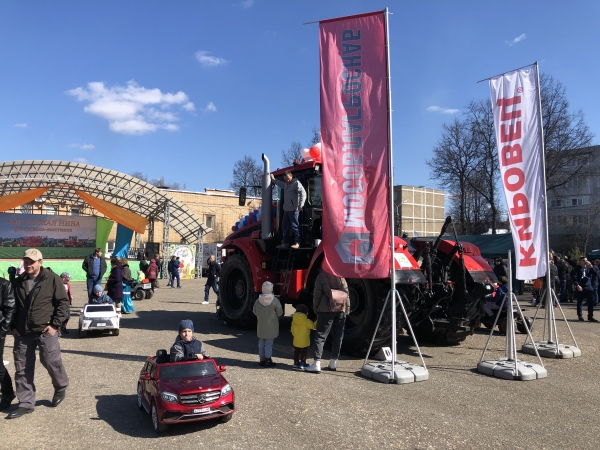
[
  {"x": 82, "y": 146},
  {"x": 442, "y": 110},
  {"x": 210, "y": 107},
  {"x": 247, "y": 3},
  {"x": 20, "y": 125},
  {"x": 132, "y": 109},
  {"x": 81, "y": 160},
  {"x": 516, "y": 40},
  {"x": 209, "y": 61}
]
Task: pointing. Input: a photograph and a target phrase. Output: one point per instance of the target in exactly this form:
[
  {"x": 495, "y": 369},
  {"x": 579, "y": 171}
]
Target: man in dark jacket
[
  {"x": 212, "y": 274},
  {"x": 94, "y": 266},
  {"x": 500, "y": 268},
  {"x": 7, "y": 310},
  {"x": 582, "y": 280},
  {"x": 41, "y": 308},
  {"x": 562, "y": 277}
]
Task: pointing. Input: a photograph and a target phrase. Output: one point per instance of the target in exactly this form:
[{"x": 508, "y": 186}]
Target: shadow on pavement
[
  {"x": 122, "y": 414},
  {"x": 112, "y": 356}
]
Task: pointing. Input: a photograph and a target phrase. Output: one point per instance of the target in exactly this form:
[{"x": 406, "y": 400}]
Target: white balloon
[{"x": 305, "y": 153}]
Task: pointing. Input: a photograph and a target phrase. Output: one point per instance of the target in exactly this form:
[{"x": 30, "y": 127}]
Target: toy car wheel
[
  {"x": 158, "y": 427},
  {"x": 82, "y": 333},
  {"x": 115, "y": 332},
  {"x": 139, "y": 397},
  {"x": 138, "y": 295},
  {"x": 521, "y": 325},
  {"x": 226, "y": 418},
  {"x": 149, "y": 294}
]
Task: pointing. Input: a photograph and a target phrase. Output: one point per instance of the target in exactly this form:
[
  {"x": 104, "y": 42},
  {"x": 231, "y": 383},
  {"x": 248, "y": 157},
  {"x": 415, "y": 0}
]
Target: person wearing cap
[
  {"x": 267, "y": 310},
  {"x": 100, "y": 297},
  {"x": 94, "y": 266},
  {"x": 41, "y": 308},
  {"x": 7, "y": 310},
  {"x": 152, "y": 272},
  {"x": 186, "y": 346},
  {"x": 293, "y": 196}
]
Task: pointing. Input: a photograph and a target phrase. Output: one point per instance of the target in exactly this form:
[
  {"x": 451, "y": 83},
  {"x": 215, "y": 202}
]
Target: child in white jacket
[{"x": 267, "y": 310}]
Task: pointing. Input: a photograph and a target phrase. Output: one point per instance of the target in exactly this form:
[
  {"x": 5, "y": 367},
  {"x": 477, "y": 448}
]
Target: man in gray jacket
[{"x": 294, "y": 197}]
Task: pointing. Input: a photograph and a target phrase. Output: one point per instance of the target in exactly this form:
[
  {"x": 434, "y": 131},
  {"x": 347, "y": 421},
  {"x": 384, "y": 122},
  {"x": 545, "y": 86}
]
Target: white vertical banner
[{"x": 518, "y": 125}]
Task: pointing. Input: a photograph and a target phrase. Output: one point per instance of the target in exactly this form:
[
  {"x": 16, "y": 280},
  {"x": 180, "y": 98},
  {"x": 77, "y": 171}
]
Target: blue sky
[{"x": 184, "y": 89}]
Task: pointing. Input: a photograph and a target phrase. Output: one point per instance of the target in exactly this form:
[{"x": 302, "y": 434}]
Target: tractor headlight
[
  {"x": 226, "y": 390},
  {"x": 169, "y": 397}
]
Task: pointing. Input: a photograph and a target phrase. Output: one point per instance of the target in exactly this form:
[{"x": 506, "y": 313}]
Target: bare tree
[
  {"x": 485, "y": 177},
  {"x": 454, "y": 160},
  {"x": 247, "y": 173},
  {"x": 316, "y": 137},
  {"x": 565, "y": 135},
  {"x": 159, "y": 182},
  {"x": 289, "y": 154}
]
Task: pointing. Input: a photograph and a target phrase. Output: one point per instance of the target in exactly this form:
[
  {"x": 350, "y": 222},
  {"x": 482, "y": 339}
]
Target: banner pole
[
  {"x": 549, "y": 301},
  {"x": 391, "y": 190}
]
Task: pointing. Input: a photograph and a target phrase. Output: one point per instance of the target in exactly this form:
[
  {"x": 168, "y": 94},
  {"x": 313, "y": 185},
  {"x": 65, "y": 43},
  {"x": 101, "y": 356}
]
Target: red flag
[{"x": 354, "y": 137}]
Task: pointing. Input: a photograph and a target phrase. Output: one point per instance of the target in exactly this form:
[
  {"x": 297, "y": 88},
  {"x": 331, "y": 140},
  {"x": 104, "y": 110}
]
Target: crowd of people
[{"x": 572, "y": 280}]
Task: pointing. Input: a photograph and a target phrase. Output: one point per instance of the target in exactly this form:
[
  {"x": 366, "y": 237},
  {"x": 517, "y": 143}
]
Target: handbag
[{"x": 338, "y": 300}]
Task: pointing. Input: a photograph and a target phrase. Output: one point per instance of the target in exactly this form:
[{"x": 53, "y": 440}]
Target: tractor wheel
[
  {"x": 138, "y": 295},
  {"x": 365, "y": 308},
  {"x": 236, "y": 292},
  {"x": 149, "y": 294}
]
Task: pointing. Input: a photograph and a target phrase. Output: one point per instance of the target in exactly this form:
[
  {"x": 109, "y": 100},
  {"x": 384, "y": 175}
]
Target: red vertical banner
[{"x": 354, "y": 139}]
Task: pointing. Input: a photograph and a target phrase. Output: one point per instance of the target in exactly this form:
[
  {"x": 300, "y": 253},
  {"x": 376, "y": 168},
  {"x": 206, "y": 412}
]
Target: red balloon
[{"x": 314, "y": 152}]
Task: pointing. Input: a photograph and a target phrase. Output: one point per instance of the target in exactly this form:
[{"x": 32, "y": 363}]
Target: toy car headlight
[
  {"x": 226, "y": 390},
  {"x": 169, "y": 397}
]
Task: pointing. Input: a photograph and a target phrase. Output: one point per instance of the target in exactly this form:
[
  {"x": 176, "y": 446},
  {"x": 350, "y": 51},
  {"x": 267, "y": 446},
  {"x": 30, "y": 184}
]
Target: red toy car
[{"x": 186, "y": 391}]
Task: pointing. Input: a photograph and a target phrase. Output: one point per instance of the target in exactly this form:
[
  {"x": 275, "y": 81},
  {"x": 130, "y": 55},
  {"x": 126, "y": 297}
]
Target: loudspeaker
[{"x": 152, "y": 250}]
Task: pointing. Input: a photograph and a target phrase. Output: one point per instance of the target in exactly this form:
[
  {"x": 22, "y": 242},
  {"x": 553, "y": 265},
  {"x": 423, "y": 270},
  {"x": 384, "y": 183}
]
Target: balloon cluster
[
  {"x": 253, "y": 217},
  {"x": 312, "y": 154}
]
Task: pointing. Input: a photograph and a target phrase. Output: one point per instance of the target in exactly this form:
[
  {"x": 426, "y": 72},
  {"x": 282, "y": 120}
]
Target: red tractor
[{"x": 253, "y": 257}]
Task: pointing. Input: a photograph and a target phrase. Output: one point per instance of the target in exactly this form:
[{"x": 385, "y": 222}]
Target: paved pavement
[{"x": 281, "y": 408}]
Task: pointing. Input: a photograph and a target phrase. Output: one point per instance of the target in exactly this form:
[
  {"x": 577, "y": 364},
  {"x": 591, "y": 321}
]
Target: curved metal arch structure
[{"x": 120, "y": 189}]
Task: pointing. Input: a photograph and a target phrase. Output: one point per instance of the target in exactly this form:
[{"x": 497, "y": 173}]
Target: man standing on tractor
[{"x": 294, "y": 197}]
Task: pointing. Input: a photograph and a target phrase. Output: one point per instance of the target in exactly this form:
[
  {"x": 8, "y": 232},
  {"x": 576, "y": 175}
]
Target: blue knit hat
[
  {"x": 97, "y": 289},
  {"x": 186, "y": 323}
]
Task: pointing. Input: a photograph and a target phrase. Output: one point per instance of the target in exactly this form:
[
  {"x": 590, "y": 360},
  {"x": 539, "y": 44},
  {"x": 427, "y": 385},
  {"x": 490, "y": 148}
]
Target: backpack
[{"x": 338, "y": 300}]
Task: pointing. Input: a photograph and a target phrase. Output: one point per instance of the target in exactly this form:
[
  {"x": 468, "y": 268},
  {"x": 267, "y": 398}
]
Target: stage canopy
[{"x": 125, "y": 199}]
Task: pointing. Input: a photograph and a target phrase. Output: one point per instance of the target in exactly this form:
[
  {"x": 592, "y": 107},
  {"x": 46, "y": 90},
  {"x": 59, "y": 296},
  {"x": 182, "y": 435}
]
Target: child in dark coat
[{"x": 186, "y": 346}]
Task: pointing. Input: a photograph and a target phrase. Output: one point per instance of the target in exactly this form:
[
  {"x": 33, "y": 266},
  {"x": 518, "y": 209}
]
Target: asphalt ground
[{"x": 281, "y": 408}]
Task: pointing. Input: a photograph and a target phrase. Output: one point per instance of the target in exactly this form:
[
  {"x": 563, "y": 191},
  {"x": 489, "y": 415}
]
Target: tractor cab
[{"x": 311, "y": 217}]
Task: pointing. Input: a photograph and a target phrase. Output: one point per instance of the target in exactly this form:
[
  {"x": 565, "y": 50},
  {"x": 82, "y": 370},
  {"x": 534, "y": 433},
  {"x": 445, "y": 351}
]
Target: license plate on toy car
[
  {"x": 101, "y": 324},
  {"x": 201, "y": 410},
  {"x": 147, "y": 286}
]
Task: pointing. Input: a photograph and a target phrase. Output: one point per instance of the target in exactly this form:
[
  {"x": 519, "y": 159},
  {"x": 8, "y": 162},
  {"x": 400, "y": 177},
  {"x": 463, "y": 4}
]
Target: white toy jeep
[{"x": 99, "y": 317}]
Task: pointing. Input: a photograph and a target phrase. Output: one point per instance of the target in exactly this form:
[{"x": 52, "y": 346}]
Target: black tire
[
  {"x": 115, "y": 332},
  {"x": 138, "y": 295},
  {"x": 149, "y": 294},
  {"x": 365, "y": 308},
  {"x": 82, "y": 333},
  {"x": 156, "y": 425},
  {"x": 226, "y": 418},
  {"x": 236, "y": 292},
  {"x": 521, "y": 325}
]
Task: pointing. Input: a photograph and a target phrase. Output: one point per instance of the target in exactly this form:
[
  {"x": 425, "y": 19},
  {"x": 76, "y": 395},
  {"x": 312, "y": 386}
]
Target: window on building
[
  {"x": 26, "y": 209},
  {"x": 50, "y": 210},
  {"x": 75, "y": 211},
  {"x": 396, "y": 195},
  {"x": 210, "y": 221},
  {"x": 576, "y": 201}
]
